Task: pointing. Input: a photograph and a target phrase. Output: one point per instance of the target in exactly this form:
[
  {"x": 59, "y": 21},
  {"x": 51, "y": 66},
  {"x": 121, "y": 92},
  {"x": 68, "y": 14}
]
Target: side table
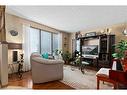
[{"x": 20, "y": 67}]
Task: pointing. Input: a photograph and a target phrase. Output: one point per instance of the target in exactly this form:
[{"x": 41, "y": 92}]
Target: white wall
[
  {"x": 3, "y": 64},
  {"x": 13, "y": 24}
]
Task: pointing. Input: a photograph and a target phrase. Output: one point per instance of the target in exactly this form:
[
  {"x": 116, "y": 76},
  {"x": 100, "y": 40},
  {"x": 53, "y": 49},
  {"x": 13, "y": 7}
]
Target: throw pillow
[{"x": 45, "y": 55}]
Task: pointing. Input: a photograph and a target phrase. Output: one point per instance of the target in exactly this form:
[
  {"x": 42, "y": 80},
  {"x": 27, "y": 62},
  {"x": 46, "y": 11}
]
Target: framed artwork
[{"x": 90, "y": 34}]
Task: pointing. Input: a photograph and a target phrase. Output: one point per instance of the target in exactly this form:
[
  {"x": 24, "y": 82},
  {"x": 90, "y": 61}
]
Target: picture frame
[{"x": 90, "y": 34}]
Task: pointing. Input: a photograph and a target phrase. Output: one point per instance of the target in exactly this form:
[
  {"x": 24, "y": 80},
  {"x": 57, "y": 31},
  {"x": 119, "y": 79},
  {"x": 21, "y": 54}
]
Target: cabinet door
[{"x": 103, "y": 44}]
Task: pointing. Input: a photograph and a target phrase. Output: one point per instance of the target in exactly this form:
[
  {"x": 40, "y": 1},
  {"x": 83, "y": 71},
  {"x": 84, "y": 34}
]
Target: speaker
[{"x": 15, "y": 56}]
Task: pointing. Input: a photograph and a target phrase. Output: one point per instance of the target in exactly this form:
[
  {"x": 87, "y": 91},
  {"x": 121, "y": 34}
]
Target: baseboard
[{"x": 2, "y": 86}]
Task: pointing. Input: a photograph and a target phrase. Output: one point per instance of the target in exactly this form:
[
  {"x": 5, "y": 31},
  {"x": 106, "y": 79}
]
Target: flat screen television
[{"x": 90, "y": 50}]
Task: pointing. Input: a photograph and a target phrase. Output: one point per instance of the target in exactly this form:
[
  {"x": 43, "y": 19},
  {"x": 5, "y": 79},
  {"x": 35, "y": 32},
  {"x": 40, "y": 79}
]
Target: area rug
[{"x": 76, "y": 79}]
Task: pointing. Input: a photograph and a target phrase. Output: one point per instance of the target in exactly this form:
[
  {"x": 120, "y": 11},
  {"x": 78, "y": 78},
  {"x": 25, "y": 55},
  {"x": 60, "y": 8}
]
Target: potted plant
[
  {"x": 57, "y": 53},
  {"x": 66, "y": 57},
  {"x": 121, "y": 53}
]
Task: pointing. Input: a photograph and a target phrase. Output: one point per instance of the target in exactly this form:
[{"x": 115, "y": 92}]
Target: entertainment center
[{"x": 97, "y": 50}]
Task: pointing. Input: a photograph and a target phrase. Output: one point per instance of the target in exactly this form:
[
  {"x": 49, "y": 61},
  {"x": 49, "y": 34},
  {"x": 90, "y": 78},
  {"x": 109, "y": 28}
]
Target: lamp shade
[{"x": 125, "y": 31}]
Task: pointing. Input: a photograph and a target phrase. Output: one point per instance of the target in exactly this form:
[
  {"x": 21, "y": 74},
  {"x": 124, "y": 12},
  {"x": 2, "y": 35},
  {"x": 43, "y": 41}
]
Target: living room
[{"x": 29, "y": 32}]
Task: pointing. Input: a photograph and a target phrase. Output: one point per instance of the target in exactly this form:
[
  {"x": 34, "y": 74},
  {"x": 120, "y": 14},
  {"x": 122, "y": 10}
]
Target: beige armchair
[{"x": 45, "y": 70}]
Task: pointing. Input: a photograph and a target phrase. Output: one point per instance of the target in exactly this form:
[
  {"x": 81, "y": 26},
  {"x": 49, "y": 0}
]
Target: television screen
[{"x": 90, "y": 50}]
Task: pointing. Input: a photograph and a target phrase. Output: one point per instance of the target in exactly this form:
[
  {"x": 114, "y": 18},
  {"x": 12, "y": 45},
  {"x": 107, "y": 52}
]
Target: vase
[
  {"x": 117, "y": 65},
  {"x": 56, "y": 57}
]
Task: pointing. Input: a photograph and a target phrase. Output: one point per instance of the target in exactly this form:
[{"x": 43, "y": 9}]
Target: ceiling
[{"x": 72, "y": 18}]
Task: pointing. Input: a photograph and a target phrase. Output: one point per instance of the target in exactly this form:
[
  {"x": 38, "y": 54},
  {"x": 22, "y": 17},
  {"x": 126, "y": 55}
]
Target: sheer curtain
[
  {"x": 26, "y": 48},
  {"x": 31, "y": 43}
]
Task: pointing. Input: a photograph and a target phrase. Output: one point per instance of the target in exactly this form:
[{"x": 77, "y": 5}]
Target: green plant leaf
[{"x": 121, "y": 47}]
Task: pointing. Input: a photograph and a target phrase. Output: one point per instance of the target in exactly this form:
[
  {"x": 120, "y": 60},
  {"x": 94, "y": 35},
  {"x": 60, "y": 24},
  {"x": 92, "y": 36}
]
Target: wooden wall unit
[{"x": 105, "y": 49}]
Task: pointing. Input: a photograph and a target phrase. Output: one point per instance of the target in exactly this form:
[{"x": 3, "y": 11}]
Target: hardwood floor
[{"x": 26, "y": 82}]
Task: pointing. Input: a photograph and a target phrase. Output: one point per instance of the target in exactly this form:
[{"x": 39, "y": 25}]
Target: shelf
[
  {"x": 90, "y": 37},
  {"x": 14, "y": 45},
  {"x": 96, "y": 36}
]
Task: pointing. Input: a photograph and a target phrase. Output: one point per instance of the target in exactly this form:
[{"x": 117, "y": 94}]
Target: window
[
  {"x": 43, "y": 41},
  {"x": 46, "y": 45},
  {"x": 34, "y": 40},
  {"x": 55, "y": 41}
]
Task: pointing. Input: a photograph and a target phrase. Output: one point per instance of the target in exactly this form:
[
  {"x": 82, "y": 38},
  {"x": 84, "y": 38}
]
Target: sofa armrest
[
  {"x": 47, "y": 61},
  {"x": 118, "y": 76}
]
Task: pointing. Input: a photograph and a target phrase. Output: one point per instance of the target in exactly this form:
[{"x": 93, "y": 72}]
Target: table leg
[{"x": 98, "y": 83}]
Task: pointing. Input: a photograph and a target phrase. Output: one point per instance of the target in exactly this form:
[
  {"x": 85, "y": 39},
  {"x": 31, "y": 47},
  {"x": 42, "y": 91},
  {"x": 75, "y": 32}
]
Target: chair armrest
[{"x": 118, "y": 76}]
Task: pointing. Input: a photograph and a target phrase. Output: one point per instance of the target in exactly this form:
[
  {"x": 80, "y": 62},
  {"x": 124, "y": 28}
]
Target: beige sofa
[{"x": 45, "y": 70}]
